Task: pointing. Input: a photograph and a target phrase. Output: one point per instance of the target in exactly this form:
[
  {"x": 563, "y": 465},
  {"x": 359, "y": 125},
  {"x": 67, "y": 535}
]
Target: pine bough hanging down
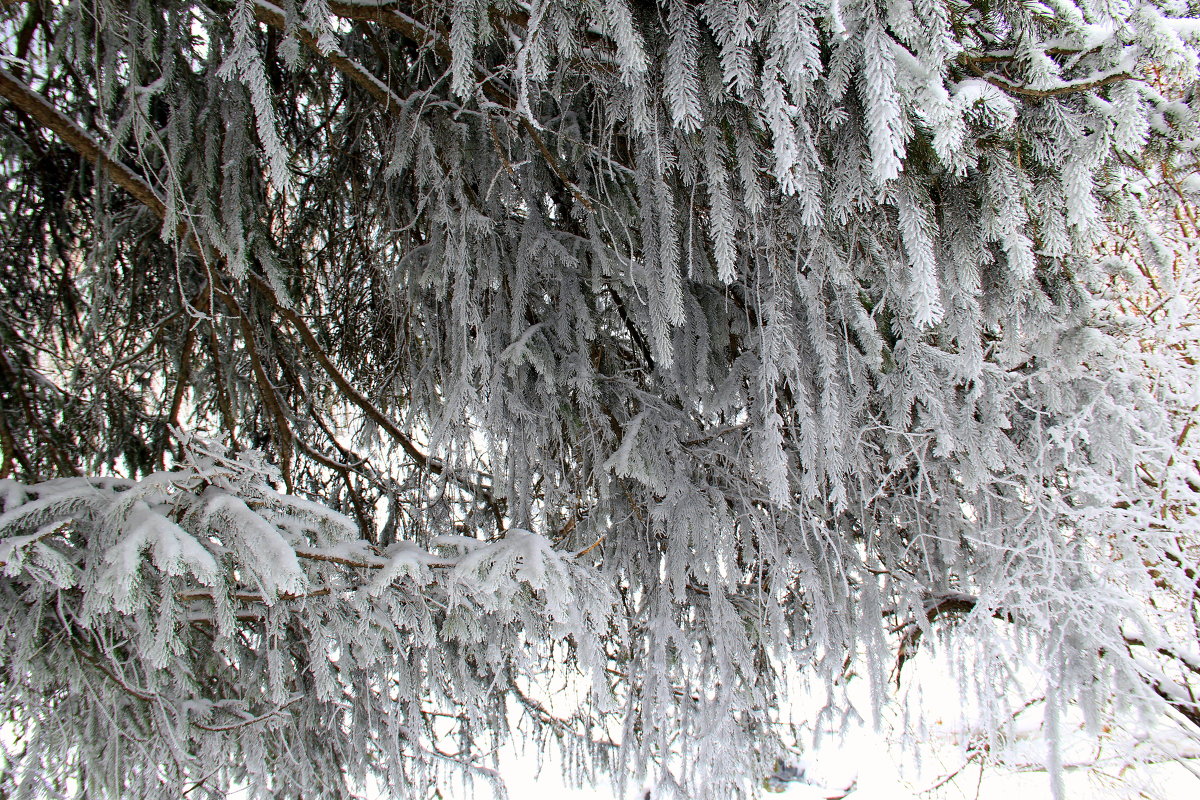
[{"x": 369, "y": 370}]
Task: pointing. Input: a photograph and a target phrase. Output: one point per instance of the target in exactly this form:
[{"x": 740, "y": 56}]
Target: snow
[
  {"x": 275, "y": 563},
  {"x": 868, "y": 768},
  {"x": 976, "y": 93},
  {"x": 1085, "y": 36},
  {"x": 1186, "y": 27},
  {"x": 951, "y": 759},
  {"x": 869, "y": 765}
]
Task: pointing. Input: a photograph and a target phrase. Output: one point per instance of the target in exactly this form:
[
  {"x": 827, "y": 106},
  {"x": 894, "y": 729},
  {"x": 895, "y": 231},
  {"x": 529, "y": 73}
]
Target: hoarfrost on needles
[{"x": 371, "y": 371}]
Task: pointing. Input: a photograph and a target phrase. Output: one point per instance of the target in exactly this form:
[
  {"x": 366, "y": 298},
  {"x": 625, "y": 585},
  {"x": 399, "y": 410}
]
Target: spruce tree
[{"x": 370, "y": 370}]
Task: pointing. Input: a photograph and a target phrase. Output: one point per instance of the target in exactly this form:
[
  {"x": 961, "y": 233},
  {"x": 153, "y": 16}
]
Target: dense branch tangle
[{"x": 769, "y": 311}]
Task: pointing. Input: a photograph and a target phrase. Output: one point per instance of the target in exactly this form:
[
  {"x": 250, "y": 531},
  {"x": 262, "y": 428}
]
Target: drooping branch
[
  {"x": 49, "y": 117},
  {"x": 73, "y": 135},
  {"x": 272, "y": 15},
  {"x": 957, "y": 604}
]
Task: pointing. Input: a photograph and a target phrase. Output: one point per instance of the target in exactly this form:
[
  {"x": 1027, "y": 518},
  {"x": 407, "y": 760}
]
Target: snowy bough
[{"x": 379, "y": 380}]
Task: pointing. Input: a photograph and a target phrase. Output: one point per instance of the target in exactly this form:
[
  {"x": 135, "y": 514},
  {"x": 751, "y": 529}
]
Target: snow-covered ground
[
  {"x": 950, "y": 758},
  {"x": 866, "y": 767}
]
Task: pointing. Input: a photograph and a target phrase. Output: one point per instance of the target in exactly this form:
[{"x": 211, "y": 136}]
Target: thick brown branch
[
  {"x": 248, "y": 597},
  {"x": 48, "y": 116},
  {"x": 1057, "y": 91},
  {"x": 272, "y": 15}
]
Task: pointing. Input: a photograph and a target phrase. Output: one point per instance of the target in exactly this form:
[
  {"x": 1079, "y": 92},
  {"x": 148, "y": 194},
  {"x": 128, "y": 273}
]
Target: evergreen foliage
[{"x": 370, "y": 369}]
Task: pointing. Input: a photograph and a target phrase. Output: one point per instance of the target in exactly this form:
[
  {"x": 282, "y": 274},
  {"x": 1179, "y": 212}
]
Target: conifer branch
[
  {"x": 272, "y": 15},
  {"x": 46, "y": 115},
  {"x": 74, "y": 136},
  {"x": 764, "y": 341},
  {"x": 1073, "y": 87}
]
